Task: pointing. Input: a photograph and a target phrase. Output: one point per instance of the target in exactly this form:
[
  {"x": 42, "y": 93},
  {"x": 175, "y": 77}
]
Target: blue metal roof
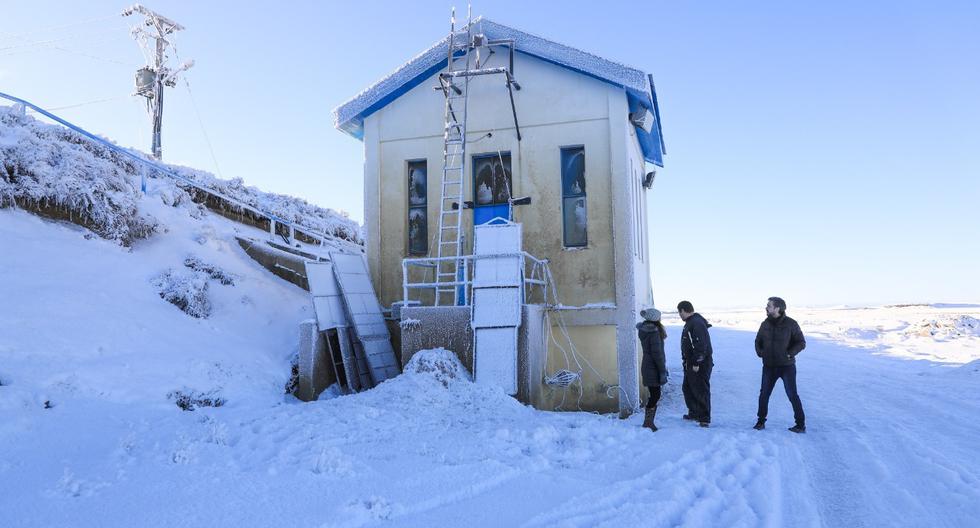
[{"x": 349, "y": 117}]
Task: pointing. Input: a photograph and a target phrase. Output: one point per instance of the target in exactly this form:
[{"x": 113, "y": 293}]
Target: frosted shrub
[
  {"x": 187, "y": 291},
  {"x": 58, "y": 173},
  {"x": 189, "y": 400},
  {"x": 210, "y": 270}
]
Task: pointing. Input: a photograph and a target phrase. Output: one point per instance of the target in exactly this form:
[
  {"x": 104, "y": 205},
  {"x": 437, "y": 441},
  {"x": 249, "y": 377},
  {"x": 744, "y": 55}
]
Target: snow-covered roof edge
[{"x": 349, "y": 116}]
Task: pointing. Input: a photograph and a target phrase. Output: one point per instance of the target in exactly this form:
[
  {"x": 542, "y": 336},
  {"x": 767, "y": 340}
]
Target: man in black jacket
[
  {"x": 778, "y": 342},
  {"x": 696, "y": 354}
]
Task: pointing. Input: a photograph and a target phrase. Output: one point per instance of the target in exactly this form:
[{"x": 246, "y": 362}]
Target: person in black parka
[
  {"x": 778, "y": 342},
  {"x": 653, "y": 368},
  {"x": 697, "y": 356}
]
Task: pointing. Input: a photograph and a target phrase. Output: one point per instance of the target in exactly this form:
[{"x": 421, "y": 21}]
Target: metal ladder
[{"x": 453, "y": 169}]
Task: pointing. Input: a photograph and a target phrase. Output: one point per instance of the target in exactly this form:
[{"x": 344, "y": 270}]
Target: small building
[{"x": 581, "y": 139}]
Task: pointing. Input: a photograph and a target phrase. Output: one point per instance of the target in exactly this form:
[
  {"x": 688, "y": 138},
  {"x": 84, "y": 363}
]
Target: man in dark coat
[
  {"x": 653, "y": 368},
  {"x": 696, "y": 354},
  {"x": 778, "y": 342}
]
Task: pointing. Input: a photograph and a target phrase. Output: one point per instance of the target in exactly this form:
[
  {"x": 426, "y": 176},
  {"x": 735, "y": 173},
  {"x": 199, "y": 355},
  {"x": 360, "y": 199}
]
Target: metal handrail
[
  {"x": 273, "y": 219},
  {"x": 536, "y": 277}
]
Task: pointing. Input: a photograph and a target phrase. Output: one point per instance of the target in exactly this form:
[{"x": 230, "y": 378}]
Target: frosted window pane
[{"x": 575, "y": 221}]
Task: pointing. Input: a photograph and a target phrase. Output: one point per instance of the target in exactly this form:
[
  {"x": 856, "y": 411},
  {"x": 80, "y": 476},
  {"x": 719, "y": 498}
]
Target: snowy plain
[{"x": 892, "y": 397}]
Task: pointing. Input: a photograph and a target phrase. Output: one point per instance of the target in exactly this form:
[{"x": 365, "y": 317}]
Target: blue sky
[{"x": 825, "y": 152}]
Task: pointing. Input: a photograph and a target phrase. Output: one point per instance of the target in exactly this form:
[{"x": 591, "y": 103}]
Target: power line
[
  {"x": 66, "y": 50},
  {"x": 88, "y": 103},
  {"x": 29, "y": 43},
  {"x": 203, "y": 130},
  {"x": 52, "y": 28}
]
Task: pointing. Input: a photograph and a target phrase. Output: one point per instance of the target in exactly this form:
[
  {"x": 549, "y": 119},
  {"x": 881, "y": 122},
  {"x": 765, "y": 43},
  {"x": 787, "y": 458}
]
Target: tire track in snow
[
  {"x": 889, "y": 451},
  {"x": 730, "y": 482}
]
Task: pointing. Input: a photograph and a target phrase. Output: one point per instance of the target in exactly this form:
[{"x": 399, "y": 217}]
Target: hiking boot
[
  {"x": 798, "y": 428},
  {"x": 648, "y": 417},
  {"x": 704, "y": 424},
  {"x": 688, "y": 417},
  {"x": 759, "y": 425}
]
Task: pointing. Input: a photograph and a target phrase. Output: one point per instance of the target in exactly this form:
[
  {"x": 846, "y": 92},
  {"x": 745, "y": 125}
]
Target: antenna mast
[{"x": 151, "y": 79}]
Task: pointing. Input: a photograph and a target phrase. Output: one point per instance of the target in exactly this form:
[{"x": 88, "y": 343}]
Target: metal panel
[
  {"x": 365, "y": 315},
  {"x": 492, "y": 241},
  {"x": 327, "y": 298},
  {"x": 379, "y": 356},
  {"x": 496, "y": 239},
  {"x": 348, "y": 355},
  {"x": 496, "y": 307},
  {"x": 496, "y": 358},
  {"x": 359, "y": 369}
]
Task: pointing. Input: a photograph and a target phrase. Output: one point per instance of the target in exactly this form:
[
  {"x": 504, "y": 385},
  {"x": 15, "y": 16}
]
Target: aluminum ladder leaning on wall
[
  {"x": 450, "y": 278},
  {"x": 453, "y": 167}
]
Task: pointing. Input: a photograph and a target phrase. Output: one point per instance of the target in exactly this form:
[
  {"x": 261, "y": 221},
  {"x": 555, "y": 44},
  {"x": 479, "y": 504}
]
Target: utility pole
[{"x": 151, "y": 79}]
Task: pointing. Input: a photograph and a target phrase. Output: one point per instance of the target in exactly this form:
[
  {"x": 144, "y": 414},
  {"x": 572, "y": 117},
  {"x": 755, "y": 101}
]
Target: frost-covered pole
[
  {"x": 151, "y": 79},
  {"x": 156, "y": 149}
]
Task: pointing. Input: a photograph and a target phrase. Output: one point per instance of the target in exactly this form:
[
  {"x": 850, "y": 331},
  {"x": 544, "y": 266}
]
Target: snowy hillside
[{"x": 50, "y": 165}]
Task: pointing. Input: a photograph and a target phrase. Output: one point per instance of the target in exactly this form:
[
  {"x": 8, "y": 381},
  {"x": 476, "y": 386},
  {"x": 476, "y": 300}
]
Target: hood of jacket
[
  {"x": 697, "y": 315},
  {"x": 647, "y": 327}
]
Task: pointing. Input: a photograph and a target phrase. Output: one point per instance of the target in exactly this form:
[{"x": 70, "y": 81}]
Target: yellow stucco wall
[{"x": 595, "y": 344}]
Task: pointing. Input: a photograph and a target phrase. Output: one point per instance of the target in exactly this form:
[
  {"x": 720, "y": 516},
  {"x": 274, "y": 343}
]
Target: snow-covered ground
[
  {"x": 89, "y": 353},
  {"x": 97, "y": 362}
]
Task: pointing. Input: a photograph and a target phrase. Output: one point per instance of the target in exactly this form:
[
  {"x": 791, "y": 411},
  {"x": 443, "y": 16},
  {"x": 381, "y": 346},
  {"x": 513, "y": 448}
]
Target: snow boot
[
  {"x": 704, "y": 424},
  {"x": 759, "y": 425},
  {"x": 688, "y": 417},
  {"x": 798, "y": 428},
  {"x": 648, "y": 417}
]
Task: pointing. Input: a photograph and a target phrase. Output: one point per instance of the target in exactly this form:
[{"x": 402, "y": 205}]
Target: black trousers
[
  {"x": 788, "y": 375},
  {"x": 697, "y": 392},
  {"x": 654, "y": 396}
]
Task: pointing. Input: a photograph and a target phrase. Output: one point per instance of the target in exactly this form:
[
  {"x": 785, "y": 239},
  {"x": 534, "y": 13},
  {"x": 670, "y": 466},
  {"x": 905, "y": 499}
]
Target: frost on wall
[{"x": 295, "y": 210}]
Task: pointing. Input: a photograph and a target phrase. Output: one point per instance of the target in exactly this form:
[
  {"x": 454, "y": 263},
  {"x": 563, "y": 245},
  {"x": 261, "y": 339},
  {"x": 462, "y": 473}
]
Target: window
[
  {"x": 418, "y": 221},
  {"x": 492, "y": 187},
  {"x": 574, "y": 217}
]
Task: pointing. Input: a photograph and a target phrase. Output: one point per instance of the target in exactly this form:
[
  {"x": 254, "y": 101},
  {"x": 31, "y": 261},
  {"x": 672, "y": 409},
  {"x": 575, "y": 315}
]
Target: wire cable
[
  {"x": 118, "y": 97},
  {"x": 62, "y": 26}
]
